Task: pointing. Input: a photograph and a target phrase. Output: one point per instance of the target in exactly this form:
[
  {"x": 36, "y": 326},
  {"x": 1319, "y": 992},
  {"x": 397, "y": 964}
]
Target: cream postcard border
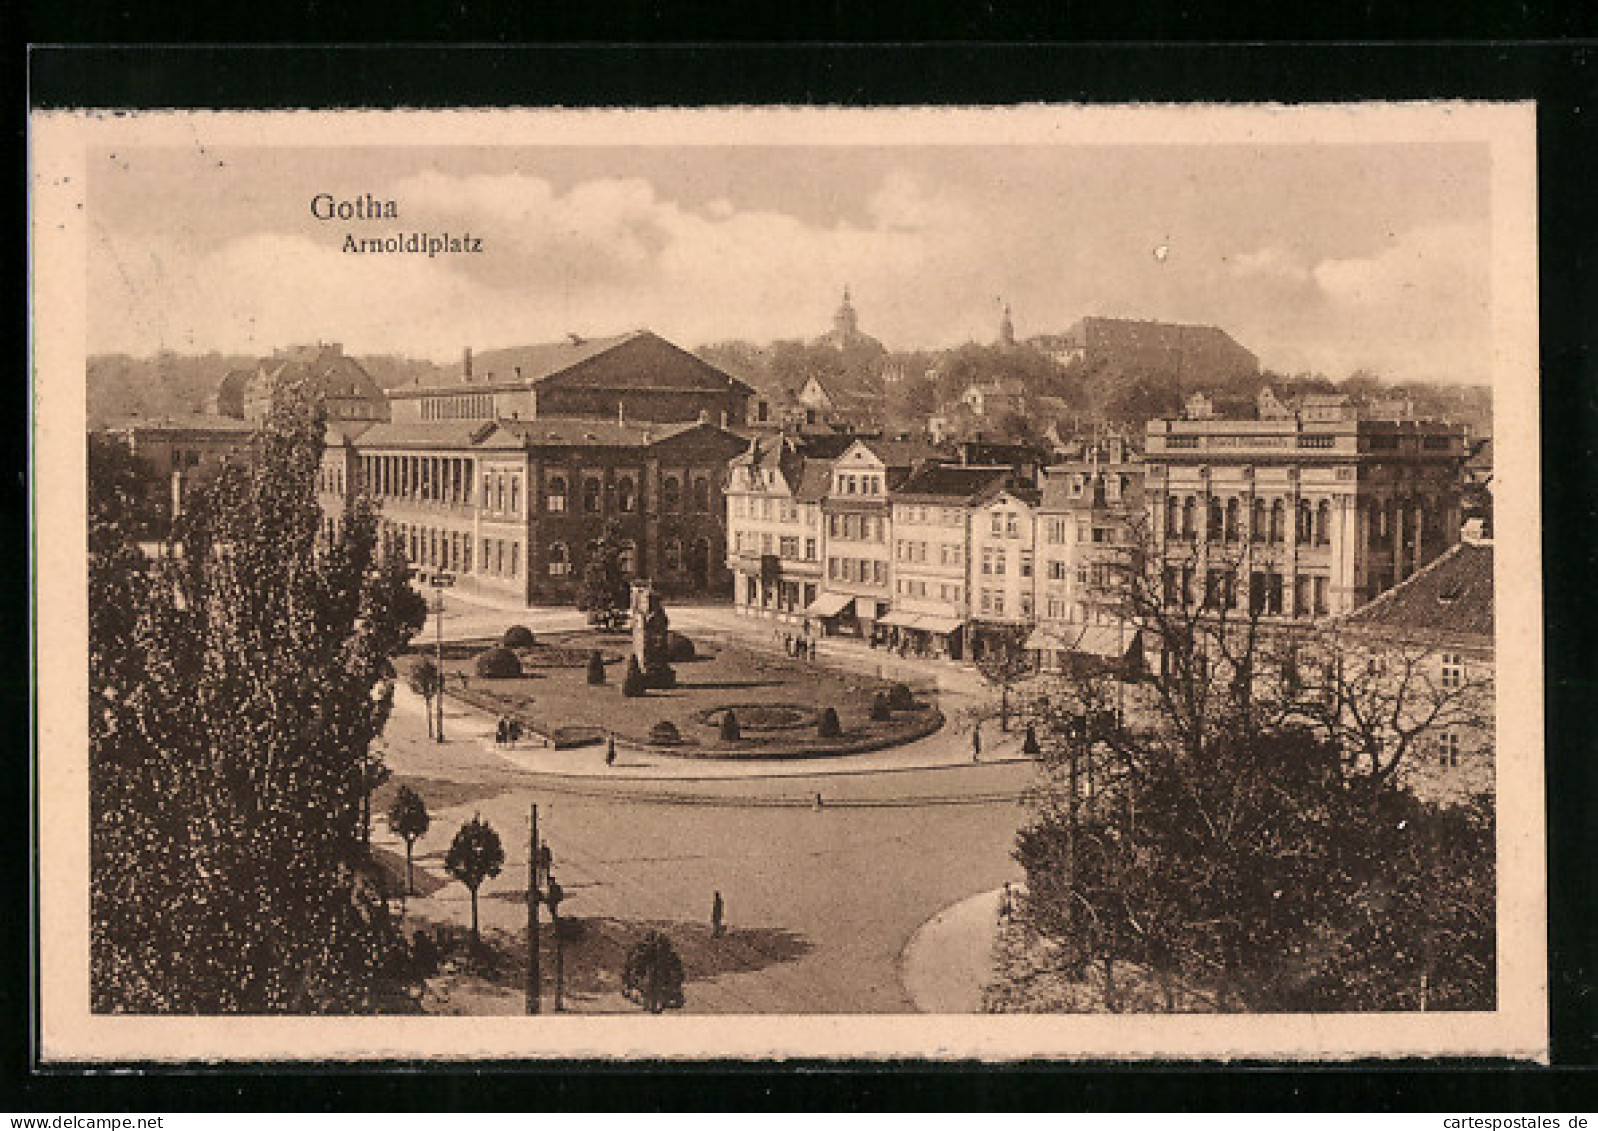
[{"x": 59, "y": 142}]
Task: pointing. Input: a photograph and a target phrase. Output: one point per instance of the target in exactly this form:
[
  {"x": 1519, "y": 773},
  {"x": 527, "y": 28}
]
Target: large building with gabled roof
[{"x": 637, "y": 376}]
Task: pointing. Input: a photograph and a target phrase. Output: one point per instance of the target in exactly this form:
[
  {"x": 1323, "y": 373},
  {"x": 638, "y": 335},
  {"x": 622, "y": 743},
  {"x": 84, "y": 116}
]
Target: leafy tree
[
  {"x": 427, "y": 681},
  {"x": 498, "y": 663},
  {"x": 652, "y": 975},
  {"x": 729, "y": 727},
  {"x": 1214, "y": 832},
  {"x": 881, "y": 712},
  {"x": 235, "y": 694},
  {"x": 474, "y": 856},
  {"x": 518, "y": 636},
  {"x": 1003, "y": 664},
  {"x": 603, "y": 591},
  {"x": 408, "y": 819}
]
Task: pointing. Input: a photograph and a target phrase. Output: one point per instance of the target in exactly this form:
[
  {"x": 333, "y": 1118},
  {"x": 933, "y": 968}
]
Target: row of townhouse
[
  {"x": 1292, "y": 518},
  {"x": 923, "y": 551}
]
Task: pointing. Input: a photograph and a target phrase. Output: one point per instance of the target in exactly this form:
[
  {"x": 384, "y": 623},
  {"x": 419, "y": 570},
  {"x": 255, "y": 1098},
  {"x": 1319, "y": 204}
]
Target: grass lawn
[{"x": 777, "y": 700}]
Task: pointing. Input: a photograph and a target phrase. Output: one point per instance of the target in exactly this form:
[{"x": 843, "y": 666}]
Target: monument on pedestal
[{"x": 650, "y": 626}]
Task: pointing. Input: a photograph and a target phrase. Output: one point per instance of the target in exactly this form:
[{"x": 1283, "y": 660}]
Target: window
[
  {"x": 1448, "y": 748},
  {"x": 987, "y": 600},
  {"x": 559, "y": 560},
  {"x": 670, "y": 493},
  {"x": 626, "y": 494},
  {"x": 592, "y": 495},
  {"x": 987, "y": 560},
  {"x": 673, "y": 555},
  {"x": 998, "y": 562},
  {"x": 515, "y": 494},
  {"x": 1258, "y": 526},
  {"x": 1453, "y": 671},
  {"x": 1026, "y": 563},
  {"x": 879, "y": 572},
  {"x": 1305, "y": 523},
  {"x": 1056, "y": 571},
  {"x": 627, "y": 560},
  {"x": 998, "y": 603},
  {"x": 1026, "y": 604},
  {"x": 1323, "y": 523},
  {"x": 515, "y": 556},
  {"x": 499, "y": 556},
  {"x": 765, "y": 543},
  {"x": 554, "y": 493},
  {"x": 789, "y": 547},
  {"x": 1233, "y": 523},
  {"x": 1012, "y": 525},
  {"x": 998, "y": 524}
]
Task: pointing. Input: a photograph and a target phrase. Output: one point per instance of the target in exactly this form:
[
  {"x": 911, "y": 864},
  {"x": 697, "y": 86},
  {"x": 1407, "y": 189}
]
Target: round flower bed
[{"x": 759, "y": 716}]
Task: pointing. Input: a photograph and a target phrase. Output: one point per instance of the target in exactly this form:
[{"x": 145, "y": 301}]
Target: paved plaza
[{"x": 827, "y": 867}]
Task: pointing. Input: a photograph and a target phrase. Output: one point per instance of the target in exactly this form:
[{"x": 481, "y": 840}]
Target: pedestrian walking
[
  {"x": 1006, "y": 907},
  {"x": 513, "y": 732},
  {"x": 718, "y": 911},
  {"x": 610, "y": 751},
  {"x": 812, "y": 650},
  {"x": 500, "y": 731},
  {"x": 976, "y": 741}
]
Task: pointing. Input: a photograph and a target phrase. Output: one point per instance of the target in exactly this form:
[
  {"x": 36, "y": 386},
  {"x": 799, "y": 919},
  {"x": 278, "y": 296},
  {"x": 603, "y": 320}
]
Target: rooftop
[
  {"x": 951, "y": 482},
  {"x": 1453, "y": 595}
]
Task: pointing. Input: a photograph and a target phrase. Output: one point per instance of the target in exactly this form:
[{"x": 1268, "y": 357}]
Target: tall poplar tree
[{"x": 235, "y": 693}]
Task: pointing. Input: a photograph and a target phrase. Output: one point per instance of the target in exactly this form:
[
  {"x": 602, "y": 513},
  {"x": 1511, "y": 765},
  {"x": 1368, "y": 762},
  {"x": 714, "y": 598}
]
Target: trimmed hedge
[
  {"x": 901, "y": 698},
  {"x": 632, "y": 686},
  {"x": 729, "y": 727},
  {"x": 665, "y": 733},
  {"x": 880, "y": 711},
  {"x": 596, "y": 668},
  {"x": 498, "y": 663},
  {"x": 679, "y": 648},
  {"x": 829, "y": 726},
  {"x": 518, "y": 636}
]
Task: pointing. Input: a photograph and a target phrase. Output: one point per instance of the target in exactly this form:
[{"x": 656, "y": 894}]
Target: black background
[{"x": 975, "y": 55}]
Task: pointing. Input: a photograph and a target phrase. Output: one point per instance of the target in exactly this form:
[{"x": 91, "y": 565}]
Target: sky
[{"x": 1324, "y": 258}]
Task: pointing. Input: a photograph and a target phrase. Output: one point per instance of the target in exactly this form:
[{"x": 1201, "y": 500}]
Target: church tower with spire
[
  {"x": 845, "y": 323},
  {"x": 1006, "y": 329}
]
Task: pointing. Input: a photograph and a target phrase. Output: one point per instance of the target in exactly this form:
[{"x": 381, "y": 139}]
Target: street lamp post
[{"x": 440, "y": 582}]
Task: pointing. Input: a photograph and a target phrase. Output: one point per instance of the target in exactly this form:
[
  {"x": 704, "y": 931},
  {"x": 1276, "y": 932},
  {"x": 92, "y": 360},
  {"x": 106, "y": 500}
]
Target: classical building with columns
[
  {"x": 1299, "y": 516},
  {"x": 514, "y": 507}
]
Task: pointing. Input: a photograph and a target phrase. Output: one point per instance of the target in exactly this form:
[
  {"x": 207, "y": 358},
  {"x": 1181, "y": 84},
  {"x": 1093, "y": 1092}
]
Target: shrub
[
  {"x": 901, "y": 698},
  {"x": 652, "y": 974},
  {"x": 828, "y": 726},
  {"x": 880, "y": 711},
  {"x": 632, "y": 686},
  {"x": 498, "y": 663},
  {"x": 663, "y": 678},
  {"x": 679, "y": 648},
  {"x": 596, "y": 668},
  {"x": 664, "y": 733},
  {"x": 729, "y": 727},
  {"x": 518, "y": 636}
]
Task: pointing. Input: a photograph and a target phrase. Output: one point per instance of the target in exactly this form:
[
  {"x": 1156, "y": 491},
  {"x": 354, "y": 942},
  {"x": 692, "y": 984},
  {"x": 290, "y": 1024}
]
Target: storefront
[
  {"x": 1116, "y": 649},
  {"x": 925, "y": 634}
]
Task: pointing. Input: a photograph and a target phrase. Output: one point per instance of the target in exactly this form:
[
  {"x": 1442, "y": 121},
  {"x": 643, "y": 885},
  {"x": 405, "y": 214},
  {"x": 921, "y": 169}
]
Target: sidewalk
[
  {"x": 949, "y": 960},
  {"x": 949, "y": 746}
]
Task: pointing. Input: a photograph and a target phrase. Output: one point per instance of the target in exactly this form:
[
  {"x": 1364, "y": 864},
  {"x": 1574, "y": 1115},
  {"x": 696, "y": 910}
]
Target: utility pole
[
  {"x": 534, "y": 989},
  {"x": 441, "y": 581}
]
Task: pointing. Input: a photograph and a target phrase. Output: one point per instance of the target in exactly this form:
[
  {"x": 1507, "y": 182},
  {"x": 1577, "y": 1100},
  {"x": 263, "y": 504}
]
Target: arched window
[
  {"x": 670, "y": 493},
  {"x": 673, "y": 556},
  {"x": 1258, "y": 526},
  {"x": 626, "y": 499},
  {"x": 1215, "y": 528},
  {"x": 1323, "y": 523},
  {"x": 1278, "y": 521},
  {"x": 1233, "y": 513},
  {"x": 555, "y": 494},
  {"x": 1305, "y": 522},
  {"x": 701, "y": 494},
  {"x": 1189, "y": 518},
  {"x": 1173, "y": 517},
  {"x": 591, "y": 495}
]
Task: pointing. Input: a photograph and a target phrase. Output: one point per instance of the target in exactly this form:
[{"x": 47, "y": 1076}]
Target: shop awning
[
  {"x": 1107, "y": 641},
  {"x": 941, "y": 625},
  {"x": 898, "y": 619},
  {"x": 829, "y": 605}
]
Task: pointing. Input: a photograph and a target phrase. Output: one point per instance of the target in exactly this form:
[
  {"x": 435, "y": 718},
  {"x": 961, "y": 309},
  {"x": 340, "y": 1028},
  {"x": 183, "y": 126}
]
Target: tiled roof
[
  {"x": 951, "y": 482},
  {"x": 571, "y": 431},
  {"x": 521, "y": 366},
  {"x": 422, "y": 434},
  {"x": 1452, "y": 596},
  {"x": 901, "y": 453},
  {"x": 813, "y": 482}
]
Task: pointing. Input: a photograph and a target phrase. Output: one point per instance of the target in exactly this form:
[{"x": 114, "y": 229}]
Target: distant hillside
[{"x": 119, "y": 385}]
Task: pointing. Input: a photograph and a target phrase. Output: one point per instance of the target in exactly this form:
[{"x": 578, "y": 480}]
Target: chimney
[{"x": 466, "y": 363}]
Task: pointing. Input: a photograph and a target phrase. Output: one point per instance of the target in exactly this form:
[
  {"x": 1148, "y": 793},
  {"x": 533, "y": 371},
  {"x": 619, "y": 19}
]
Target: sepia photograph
[{"x": 1013, "y": 583}]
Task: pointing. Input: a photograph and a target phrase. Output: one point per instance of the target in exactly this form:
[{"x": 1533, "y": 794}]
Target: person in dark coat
[
  {"x": 610, "y": 751},
  {"x": 718, "y": 913},
  {"x": 976, "y": 742},
  {"x": 500, "y": 731}
]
